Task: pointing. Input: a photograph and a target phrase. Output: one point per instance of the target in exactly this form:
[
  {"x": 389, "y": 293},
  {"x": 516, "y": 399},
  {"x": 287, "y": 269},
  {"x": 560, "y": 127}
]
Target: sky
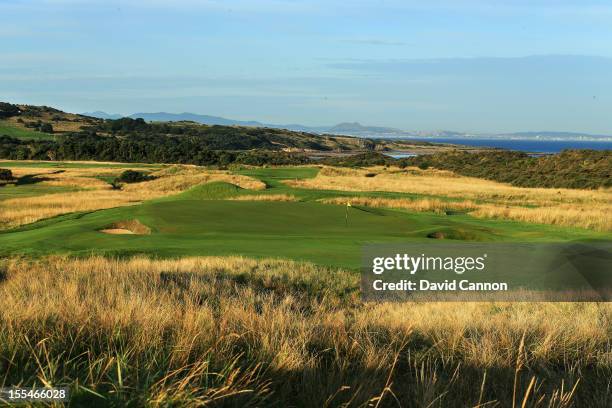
[{"x": 464, "y": 65}]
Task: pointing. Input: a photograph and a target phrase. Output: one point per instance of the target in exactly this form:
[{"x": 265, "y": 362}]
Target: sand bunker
[
  {"x": 132, "y": 227},
  {"x": 116, "y": 231}
]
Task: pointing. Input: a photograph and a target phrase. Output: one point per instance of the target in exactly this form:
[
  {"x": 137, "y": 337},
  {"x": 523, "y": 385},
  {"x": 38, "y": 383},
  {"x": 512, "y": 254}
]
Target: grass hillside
[{"x": 28, "y": 122}]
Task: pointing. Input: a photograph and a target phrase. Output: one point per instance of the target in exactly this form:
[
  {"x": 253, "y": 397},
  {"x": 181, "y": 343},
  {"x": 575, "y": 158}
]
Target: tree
[{"x": 7, "y": 110}]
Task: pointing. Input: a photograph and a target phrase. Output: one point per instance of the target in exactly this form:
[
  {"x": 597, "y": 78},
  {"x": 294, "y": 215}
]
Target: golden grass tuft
[
  {"x": 429, "y": 205},
  {"x": 85, "y": 183},
  {"x": 193, "y": 331},
  {"x": 265, "y": 197},
  {"x": 595, "y": 217}
]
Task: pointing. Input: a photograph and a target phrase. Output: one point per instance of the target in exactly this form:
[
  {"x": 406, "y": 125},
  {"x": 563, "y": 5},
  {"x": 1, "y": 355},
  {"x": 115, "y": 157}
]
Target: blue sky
[{"x": 467, "y": 65}]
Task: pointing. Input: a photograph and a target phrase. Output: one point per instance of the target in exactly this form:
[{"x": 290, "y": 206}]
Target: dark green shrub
[
  {"x": 6, "y": 175},
  {"x": 46, "y": 128},
  {"x": 132, "y": 176}
]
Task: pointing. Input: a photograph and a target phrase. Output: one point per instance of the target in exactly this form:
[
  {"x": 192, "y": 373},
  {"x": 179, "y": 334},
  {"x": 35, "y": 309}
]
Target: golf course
[
  {"x": 219, "y": 218},
  {"x": 306, "y": 204},
  {"x": 179, "y": 285}
]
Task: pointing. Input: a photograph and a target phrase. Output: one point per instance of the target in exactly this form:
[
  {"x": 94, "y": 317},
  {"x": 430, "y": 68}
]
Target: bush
[
  {"x": 46, "y": 128},
  {"x": 6, "y": 175},
  {"x": 132, "y": 176}
]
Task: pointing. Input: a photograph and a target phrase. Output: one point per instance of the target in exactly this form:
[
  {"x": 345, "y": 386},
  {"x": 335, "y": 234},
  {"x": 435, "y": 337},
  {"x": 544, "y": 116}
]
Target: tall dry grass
[
  {"x": 97, "y": 194},
  {"x": 446, "y": 183},
  {"x": 564, "y": 214},
  {"x": 427, "y": 204},
  {"x": 240, "y": 332},
  {"x": 597, "y": 217},
  {"x": 575, "y": 208},
  {"x": 264, "y": 197}
]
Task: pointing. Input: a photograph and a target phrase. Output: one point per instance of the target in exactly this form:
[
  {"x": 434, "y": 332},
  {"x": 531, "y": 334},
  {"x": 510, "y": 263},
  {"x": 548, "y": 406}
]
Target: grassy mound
[{"x": 211, "y": 191}]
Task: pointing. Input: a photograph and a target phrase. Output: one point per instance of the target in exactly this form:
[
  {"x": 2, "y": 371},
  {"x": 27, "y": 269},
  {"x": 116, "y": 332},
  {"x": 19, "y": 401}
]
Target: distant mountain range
[
  {"x": 346, "y": 128},
  {"x": 352, "y": 128},
  {"x": 102, "y": 115}
]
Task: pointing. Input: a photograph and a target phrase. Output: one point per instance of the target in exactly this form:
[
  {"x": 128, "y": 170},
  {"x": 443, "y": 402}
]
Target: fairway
[{"x": 201, "y": 221}]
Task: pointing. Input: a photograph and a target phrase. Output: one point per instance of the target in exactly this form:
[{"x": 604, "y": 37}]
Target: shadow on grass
[{"x": 34, "y": 178}]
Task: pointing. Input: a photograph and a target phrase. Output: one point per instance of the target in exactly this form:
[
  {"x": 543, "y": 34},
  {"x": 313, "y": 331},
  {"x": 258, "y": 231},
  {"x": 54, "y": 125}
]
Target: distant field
[{"x": 11, "y": 130}]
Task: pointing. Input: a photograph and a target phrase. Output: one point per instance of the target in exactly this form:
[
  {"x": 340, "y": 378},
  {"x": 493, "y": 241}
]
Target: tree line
[{"x": 138, "y": 150}]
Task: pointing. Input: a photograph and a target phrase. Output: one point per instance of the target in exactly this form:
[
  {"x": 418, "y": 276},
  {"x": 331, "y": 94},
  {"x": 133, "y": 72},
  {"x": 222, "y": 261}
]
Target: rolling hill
[
  {"x": 42, "y": 122},
  {"x": 356, "y": 128}
]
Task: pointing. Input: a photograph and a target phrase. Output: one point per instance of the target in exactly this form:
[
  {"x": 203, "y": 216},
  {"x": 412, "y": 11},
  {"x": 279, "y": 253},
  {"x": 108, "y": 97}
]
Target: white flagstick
[{"x": 346, "y": 215}]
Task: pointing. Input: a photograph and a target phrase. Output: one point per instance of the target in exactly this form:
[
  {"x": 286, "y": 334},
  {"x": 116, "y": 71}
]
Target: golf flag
[{"x": 348, "y": 204}]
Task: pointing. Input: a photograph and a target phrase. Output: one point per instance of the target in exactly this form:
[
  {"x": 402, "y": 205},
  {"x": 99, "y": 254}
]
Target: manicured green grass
[
  {"x": 302, "y": 231},
  {"x": 200, "y": 222},
  {"x": 8, "y": 129}
]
